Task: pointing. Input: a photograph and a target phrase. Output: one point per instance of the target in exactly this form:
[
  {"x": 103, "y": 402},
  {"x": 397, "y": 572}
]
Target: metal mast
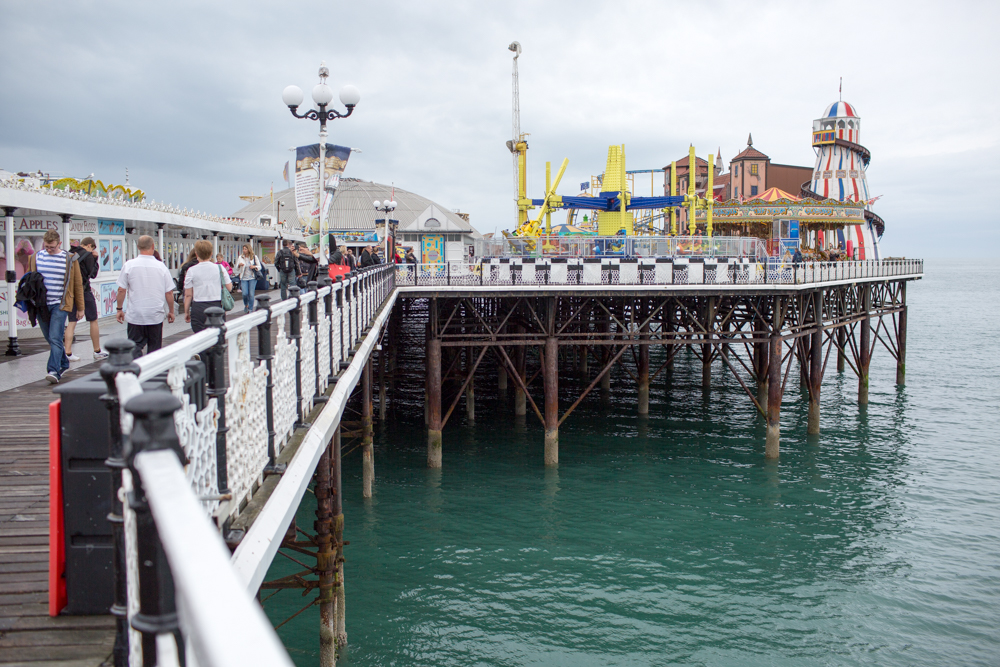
[{"x": 518, "y": 146}]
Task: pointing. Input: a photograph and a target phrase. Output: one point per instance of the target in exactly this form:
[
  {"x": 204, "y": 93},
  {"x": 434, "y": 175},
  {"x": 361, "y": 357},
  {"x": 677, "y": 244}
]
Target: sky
[{"x": 187, "y": 96}]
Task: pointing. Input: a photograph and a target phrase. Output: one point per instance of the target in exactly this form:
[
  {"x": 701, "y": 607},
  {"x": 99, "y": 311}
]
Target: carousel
[{"x": 819, "y": 229}]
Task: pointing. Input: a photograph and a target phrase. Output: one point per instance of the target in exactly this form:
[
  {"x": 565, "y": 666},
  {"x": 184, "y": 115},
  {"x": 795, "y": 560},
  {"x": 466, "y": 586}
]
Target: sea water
[{"x": 670, "y": 540}]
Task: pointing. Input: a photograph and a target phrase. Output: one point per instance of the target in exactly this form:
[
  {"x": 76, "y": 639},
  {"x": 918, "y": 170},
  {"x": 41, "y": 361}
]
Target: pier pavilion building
[{"x": 434, "y": 232}]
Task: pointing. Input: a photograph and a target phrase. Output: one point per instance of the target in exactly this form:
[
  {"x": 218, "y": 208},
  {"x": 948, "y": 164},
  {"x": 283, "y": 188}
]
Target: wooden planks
[{"x": 28, "y": 635}]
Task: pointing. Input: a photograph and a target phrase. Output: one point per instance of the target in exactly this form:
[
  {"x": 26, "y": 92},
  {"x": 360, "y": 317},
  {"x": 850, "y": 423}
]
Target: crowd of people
[{"x": 56, "y": 290}]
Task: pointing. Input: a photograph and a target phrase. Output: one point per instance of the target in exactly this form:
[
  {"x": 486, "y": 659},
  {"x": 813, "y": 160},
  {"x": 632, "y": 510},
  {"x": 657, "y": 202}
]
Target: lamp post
[
  {"x": 386, "y": 207},
  {"x": 322, "y": 95}
]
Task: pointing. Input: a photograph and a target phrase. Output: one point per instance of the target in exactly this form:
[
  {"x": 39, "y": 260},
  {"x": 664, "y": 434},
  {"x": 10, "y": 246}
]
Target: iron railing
[
  {"x": 226, "y": 418},
  {"x": 619, "y": 246},
  {"x": 650, "y": 271}
]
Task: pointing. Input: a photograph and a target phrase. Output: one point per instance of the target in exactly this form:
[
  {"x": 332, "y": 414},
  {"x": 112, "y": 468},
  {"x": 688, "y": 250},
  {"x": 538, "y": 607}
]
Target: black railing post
[
  {"x": 348, "y": 295},
  {"x": 119, "y": 361},
  {"x": 295, "y": 334},
  {"x": 215, "y": 369},
  {"x": 153, "y": 430},
  {"x": 265, "y": 352}
]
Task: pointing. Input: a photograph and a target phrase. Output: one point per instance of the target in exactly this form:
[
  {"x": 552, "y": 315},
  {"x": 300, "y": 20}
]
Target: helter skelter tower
[{"x": 841, "y": 162}]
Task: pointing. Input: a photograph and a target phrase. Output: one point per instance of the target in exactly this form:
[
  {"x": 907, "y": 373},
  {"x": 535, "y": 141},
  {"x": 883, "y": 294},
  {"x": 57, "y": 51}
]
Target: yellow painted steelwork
[
  {"x": 523, "y": 203},
  {"x": 615, "y": 180}
]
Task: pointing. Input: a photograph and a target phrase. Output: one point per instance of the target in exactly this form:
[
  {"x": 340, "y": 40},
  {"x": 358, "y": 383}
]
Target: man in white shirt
[{"x": 150, "y": 290}]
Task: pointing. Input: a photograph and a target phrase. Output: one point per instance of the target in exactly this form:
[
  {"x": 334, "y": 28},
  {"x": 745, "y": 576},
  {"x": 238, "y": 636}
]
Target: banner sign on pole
[{"x": 307, "y": 182}]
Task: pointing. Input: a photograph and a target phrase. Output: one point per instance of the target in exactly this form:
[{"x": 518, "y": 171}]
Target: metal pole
[
  {"x": 815, "y": 364},
  {"x": 864, "y": 344},
  {"x": 325, "y": 561},
  {"x": 433, "y": 391},
  {"x": 773, "y": 438},
  {"x": 119, "y": 361},
  {"x": 324, "y": 257},
  {"x": 551, "y": 377},
  {"x": 13, "y": 349},
  {"x": 901, "y": 338}
]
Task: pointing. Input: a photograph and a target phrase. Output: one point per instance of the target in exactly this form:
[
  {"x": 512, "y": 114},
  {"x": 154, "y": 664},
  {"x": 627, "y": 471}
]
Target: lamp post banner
[{"x": 307, "y": 202}]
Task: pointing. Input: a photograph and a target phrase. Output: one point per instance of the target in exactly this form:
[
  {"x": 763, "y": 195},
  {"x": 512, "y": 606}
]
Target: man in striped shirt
[{"x": 64, "y": 293}]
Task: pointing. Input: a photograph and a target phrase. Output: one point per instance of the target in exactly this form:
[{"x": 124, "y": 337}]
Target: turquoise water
[{"x": 669, "y": 540}]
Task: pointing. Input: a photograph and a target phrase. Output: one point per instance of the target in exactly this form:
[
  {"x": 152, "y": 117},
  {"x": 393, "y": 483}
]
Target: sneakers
[
  {"x": 73, "y": 357},
  {"x": 52, "y": 378},
  {"x": 100, "y": 355}
]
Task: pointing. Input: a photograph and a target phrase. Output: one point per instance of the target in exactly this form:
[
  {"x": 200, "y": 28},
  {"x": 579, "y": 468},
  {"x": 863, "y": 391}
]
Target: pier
[{"x": 215, "y": 438}]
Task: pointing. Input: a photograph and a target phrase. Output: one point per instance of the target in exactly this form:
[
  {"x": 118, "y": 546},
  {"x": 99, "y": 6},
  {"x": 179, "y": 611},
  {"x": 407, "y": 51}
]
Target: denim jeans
[
  {"x": 248, "y": 287},
  {"x": 53, "y": 331},
  {"x": 283, "y": 281}
]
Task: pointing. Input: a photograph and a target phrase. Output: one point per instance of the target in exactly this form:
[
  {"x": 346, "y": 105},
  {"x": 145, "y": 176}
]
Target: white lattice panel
[
  {"x": 246, "y": 417},
  {"x": 283, "y": 392},
  {"x": 308, "y": 368},
  {"x": 335, "y": 320},
  {"x": 197, "y": 433}
]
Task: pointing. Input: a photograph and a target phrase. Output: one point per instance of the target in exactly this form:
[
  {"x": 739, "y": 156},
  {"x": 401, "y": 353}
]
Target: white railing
[
  {"x": 620, "y": 246},
  {"x": 19, "y": 184},
  {"x": 233, "y": 419},
  {"x": 664, "y": 271}
]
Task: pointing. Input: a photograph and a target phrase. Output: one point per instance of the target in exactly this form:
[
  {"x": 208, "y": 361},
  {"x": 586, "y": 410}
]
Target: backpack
[{"x": 285, "y": 262}]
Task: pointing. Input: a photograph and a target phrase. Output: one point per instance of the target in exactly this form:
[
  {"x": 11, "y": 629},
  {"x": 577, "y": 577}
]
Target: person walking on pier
[
  {"x": 287, "y": 266},
  {"x": 148, "y": 285},
  {"x": 308, "y": 266},
  {"x": 203, "y": 286},
  {"x": 89, "y": 268},
  {"x": 64, "y": 293},
  {"x": 247, "y": 267}
]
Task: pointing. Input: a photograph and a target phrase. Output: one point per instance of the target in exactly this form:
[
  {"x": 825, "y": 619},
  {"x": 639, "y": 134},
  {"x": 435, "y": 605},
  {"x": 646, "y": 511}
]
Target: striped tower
[{"x": 841, "y": 161}]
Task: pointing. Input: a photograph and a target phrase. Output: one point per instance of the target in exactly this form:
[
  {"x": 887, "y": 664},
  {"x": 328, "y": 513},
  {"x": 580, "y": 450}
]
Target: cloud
[{"x": 187, "y": 95}]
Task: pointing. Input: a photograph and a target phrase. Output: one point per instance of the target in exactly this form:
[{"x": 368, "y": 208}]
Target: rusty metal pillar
[
  {"x": 520, "y": 402},
  {"x": 901, "y": 338},
  {"x": 706, "y": 349},
  {"x": 551, "y": 374},
  {"x": 325, "y": 561},
  {"x": 864, "y": 344},
  {"x": 367, "y": 448},
  {"x": 643, "y": 364},
  {"x": 434, "y": 402},
  {"x": 381, "y": 383},
  {"x": 841, "y": 345},
  {"x": 760, "y": 353},
  {"x": 772, "y": 444},
  {"x": 815, "y": 364},
  {"x": 337, "y": 495},
  {"x": 604, "y": 327},
  {"x": 470, "y": 389},
  {"x": 668, "y": 327}
]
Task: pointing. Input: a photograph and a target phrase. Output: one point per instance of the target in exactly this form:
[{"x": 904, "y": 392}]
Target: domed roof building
[{"x": 355, "y": 222}]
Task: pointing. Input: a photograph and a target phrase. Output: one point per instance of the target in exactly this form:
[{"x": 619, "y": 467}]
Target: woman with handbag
[
  {"x": 205, "y": 285},
  {"x": 247, "y": 270}
]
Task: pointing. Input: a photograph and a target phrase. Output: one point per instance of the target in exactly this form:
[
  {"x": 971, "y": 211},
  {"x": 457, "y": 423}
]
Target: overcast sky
[{"x": 187, "y": 95}]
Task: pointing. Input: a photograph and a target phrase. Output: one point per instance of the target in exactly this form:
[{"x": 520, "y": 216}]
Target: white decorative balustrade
[
  {"x": 235, "y": 414},
  {"x": 651, "y": 271}
]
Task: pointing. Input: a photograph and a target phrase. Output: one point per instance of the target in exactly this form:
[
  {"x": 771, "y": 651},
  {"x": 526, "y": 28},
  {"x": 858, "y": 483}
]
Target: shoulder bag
[{"x": 228, "y": 302}]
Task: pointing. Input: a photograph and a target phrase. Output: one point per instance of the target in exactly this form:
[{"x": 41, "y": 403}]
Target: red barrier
[{"x": 57, "y": 541}]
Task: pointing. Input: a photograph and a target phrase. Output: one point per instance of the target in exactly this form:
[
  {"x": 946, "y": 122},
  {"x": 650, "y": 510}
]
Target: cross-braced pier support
[{"x": 755, "y": 334}]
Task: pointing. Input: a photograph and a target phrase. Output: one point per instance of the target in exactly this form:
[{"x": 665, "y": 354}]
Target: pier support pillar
[
  {"x": 864, "y": 344},
  {"x": 604, "y": 327},
  {"x": 325, "y": 561},
  {"x": 502, "y": 381},
  {"x": 551, "y": 376},
  {"x": 841, "y": 345},
  {"x": 367, "y": 448},
  {"x": 815, "y": 365},
  {"x": 337, "y": 495},
  {"x": 761, "y": 368},
  {"x": 434, "y": 403},
  {"x": 773, "y": 442},
  {"x": 643, "y": 370},
  {"x": 520, "y": 403},
  {"x": 381, "y": 385},
  {"x": 901, "y": 338},
  {"x": 470, "y": 389},
  {"x": 706, "y": 349}
]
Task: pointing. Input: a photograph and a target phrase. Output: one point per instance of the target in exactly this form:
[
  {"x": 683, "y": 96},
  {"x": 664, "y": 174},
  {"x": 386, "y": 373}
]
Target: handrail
[
  {"x": 218, "y": 421},
  {"x": 214, "y": 603}
]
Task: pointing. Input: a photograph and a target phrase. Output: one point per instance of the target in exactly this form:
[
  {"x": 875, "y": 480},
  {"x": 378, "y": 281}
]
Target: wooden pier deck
[{"x": 28, "y": 635}]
